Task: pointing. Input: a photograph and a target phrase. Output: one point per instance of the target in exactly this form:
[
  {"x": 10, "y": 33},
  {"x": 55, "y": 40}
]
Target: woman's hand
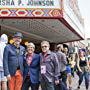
[{"x": 80, "y": 70}]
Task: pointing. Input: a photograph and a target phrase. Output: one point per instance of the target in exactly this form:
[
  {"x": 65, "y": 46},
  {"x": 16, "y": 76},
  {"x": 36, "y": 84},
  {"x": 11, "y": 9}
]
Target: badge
[{"x": 43, "y": 69}]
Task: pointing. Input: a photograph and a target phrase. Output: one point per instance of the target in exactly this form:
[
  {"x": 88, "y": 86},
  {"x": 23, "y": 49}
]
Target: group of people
[{"x": 22, "y": 68}]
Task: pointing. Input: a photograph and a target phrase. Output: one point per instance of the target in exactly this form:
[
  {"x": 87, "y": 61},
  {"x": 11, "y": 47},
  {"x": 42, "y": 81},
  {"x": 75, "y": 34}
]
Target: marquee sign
[
  {"x": 30, "y": 8},
  {"x": 29, "y": 3}
]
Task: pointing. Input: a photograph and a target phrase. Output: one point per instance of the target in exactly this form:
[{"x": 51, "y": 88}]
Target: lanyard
[{"x": 44, "y": 57}]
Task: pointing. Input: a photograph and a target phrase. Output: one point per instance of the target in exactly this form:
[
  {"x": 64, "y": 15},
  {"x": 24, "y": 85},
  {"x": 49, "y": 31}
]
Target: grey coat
[
  {"x": 62, "y": 60},
  {"x": 52, "y": 67}
]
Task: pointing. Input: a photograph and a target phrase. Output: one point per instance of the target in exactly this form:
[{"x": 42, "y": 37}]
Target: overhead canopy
[{"x": 37, "y": 30}]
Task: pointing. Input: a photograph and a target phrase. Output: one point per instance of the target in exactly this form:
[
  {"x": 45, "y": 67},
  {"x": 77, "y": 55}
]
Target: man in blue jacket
[
  {"x": 13, "y": 62},
  {"x": 31, "y": 69}
]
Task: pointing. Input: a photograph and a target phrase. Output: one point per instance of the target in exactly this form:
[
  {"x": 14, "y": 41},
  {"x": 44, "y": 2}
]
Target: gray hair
[
  {"x": 45, "y": 42},
  {"x": 31, "y": 44}
]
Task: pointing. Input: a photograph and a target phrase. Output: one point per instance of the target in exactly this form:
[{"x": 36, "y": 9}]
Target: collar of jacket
[
  {"x": 48, "y": 53},
  {"x": 15, "y": 46}
]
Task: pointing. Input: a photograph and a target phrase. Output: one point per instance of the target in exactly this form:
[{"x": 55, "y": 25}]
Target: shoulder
[
  {"x": 60, "y": 53},
  {"x": 22, "y": 47},
  {"x": 8, "y": 46},
  {"x": 53, "y": 54},
  {"x": 36, "y": 55}
]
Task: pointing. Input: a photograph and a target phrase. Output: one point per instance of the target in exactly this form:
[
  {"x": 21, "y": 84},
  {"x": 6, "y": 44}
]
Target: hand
[
  {"x": 56, "y": 82},
  {"x": 80, "y": 70},
  {"x": 8, "y": 77}
]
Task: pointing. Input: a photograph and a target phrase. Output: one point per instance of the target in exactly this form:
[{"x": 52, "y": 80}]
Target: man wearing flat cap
[{"x": 13, "y": 62}]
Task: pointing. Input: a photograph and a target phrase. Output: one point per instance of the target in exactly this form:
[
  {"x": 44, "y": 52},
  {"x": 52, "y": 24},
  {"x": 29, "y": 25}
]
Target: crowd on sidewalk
[{"x": 21, "y": 67}]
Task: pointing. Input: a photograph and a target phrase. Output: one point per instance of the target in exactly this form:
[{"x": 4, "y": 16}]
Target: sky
[{"x": 84, "y": 6}]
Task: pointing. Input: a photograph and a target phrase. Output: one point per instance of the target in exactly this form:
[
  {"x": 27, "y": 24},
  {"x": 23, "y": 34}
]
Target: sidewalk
[{"x": 75, "y": 84}]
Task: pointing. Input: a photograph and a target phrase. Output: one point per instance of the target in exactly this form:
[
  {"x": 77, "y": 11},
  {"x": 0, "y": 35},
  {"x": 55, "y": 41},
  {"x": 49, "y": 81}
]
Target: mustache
[{"x": 17, "y": 41}]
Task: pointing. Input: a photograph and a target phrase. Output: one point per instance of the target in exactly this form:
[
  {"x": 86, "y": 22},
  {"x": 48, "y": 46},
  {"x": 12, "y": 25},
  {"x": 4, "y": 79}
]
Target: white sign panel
[
  {"x": 30, "y": 3},
  {"x": 73, "y": 15}
]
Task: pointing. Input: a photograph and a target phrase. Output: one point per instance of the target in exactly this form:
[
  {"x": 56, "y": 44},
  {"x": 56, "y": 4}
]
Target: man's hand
[
  {"x": 56, "y": 82},
  {"x": 8, "y": 77}
]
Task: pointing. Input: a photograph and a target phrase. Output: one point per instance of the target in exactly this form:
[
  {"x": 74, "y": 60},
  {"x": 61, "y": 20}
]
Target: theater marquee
[
  {"x": 30, "y": 8},
  {"x": 30, "y": 3}
]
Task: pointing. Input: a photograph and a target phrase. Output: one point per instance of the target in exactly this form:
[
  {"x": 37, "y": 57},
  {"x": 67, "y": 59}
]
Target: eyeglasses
[{"x": 44, "y": 46}]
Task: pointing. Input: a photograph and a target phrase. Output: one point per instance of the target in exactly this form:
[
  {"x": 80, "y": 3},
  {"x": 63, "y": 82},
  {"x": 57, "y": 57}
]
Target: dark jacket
[
  {"x": 34, "y": 69},
  {"x": 11, "y": 60},
  {"x": 52, "y": 67}
]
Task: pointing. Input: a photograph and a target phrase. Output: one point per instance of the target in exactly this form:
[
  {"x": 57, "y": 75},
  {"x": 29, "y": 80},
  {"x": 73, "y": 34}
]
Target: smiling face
[
  {"x": 30, "y": 48},
  {"x": 45, "y": 46},
  {"x": 17, "y": 40}
]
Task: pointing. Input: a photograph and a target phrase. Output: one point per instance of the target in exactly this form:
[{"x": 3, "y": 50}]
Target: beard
[{"x": 17, "y": 42}]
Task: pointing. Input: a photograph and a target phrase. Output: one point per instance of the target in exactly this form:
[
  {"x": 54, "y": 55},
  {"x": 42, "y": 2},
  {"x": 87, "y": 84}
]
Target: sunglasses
[{"x": 44, "y": 46}]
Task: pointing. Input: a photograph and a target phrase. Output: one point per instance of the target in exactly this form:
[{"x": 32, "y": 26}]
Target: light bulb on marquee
[
  {"x": 26, "y": 43},
  {"x": 11, "y": 41}
]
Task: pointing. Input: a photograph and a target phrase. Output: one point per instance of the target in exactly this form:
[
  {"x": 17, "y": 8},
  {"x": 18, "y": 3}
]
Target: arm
[
  {"x": 64, "y": 60},
  {"x": 78, "y": 66},
  {"x": 87, "y": 63},
  {"x": 57, "y": 69},
  {"x": 5, "y": 61}
]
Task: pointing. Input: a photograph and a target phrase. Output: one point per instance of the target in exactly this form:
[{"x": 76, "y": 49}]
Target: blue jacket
[
  {"x": 11, "y": 60},
  {"x": 34, "y": 69}
]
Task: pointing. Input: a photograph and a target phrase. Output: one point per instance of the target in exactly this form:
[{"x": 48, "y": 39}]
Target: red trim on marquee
[{"x": 30, "y": 13}]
